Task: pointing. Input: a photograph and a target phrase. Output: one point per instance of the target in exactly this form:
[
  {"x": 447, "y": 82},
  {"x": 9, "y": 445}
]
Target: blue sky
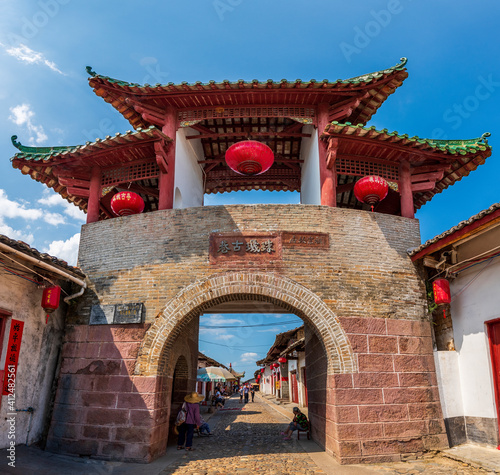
[{"x": 453, "y": 88}]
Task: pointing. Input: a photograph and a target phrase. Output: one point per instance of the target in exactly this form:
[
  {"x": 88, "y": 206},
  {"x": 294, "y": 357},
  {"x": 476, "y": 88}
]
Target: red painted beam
[
  {"x": 435, "y": 176},
  {"x": 94, "y": 196}
]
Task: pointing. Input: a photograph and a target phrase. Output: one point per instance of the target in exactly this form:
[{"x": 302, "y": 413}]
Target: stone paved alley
[{"x": 246, "y": 440}]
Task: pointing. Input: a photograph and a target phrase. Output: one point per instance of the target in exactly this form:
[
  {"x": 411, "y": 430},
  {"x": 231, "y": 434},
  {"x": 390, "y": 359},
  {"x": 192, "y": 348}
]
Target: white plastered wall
[
  {"x": 310, "y": 193},
  {"x": 189, "y": 188},
  {"x": 478, "y": 303},
  {"x": 38, "y": 356}
]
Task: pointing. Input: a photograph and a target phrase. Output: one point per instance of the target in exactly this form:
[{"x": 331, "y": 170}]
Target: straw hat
[{"x": 194, "y": 397}]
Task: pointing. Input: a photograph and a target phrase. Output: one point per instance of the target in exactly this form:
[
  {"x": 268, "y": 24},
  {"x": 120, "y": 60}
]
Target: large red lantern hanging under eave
[
  {"x": 282, "y": 360},
  {"x": 249, "y": 157},
  {"x": 126, "y": 203},
  {"x": 371, "y": 190},
  {"x": 441, "y": 291}
]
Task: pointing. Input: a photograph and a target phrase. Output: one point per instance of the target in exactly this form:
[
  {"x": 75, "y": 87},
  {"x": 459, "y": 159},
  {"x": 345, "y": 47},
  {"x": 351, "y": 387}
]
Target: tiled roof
[
  {"x": 368, "y": 91},
  {"x": 494, "y": 208},
  {"x": 47, "y": 258},
  {"x": 458, "y": 157},
  {"x": 210, "y": 85},
  {"x": 452, "y": 147},
  {"x": 41, "y": 154}
]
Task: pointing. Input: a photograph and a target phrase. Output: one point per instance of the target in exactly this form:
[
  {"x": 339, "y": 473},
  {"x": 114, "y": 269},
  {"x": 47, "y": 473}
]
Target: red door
[
  {"x": 295, "y": 388},
  {"x": 494, "y": 338}
]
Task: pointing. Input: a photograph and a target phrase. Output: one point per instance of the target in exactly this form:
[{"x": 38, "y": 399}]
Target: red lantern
[
  {"x": 282, "y": 360},
  {"x": 442, "y": 294},
  {"x": 126, "y": 203},
  {"x": 50, "y": 299},
  {"x": 249, "y": 157},
  {"x": 262, "y": 370},
  {"x": 371, "y": 190}
]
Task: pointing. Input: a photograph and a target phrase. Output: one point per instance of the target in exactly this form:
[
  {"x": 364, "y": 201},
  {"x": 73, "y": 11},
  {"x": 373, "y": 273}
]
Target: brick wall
[{"x": 354, "y": 296}]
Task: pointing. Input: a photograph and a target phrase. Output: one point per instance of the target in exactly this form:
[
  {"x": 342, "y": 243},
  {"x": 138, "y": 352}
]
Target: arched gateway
[
  {"x": 341, "y": 268},
  {"x": 201, "y": 296}
]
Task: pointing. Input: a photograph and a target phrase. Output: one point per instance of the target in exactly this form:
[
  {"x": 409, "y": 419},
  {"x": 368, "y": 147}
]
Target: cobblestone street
[{"x": 247, "y": 440}]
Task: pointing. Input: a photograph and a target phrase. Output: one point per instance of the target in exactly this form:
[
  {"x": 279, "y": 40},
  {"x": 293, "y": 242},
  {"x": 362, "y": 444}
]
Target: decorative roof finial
[
  {"x": 403, "y": 62},
  {"x": 483, "y": 137},
  {"x": 89, "y": 71},
  {"x": 15, "y": 142}
]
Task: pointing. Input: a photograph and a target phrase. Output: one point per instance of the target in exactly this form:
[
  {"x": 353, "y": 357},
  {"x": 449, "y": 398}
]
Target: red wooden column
[
  {"x": 326, "y": 176},
  {"x": 166, "y": 182},
  {"x": 407, "y": 208},
  {"x": 94, "y": 196}
]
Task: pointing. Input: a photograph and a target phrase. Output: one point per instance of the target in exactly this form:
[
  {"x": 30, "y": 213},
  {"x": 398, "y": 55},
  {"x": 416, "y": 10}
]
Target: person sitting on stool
[{"x": 299, "y": 422}]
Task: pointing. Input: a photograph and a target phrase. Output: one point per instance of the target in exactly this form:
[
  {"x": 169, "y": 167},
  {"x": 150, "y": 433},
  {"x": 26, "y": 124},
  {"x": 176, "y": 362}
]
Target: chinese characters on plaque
[{"x": 260, "y": 247}]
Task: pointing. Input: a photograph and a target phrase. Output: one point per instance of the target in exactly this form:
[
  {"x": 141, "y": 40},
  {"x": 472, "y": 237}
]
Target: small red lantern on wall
[
  {"x": 249, "y": 157},
  {"x": 126, "y": 203},
  {"x": 442, "y": 294},
  {"x": 262, "y": 370},
  {"x": 282, "y": 360},
  {"x": 371, "y": 190},
  {"x": 50, "y": 299}
]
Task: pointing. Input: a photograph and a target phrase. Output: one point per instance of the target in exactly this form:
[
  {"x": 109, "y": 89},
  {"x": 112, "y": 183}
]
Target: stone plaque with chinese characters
[
  {"x": 308, "y": 240},
  {"x": 229, "y": 248},
  {"x": 116, "y": 314}
]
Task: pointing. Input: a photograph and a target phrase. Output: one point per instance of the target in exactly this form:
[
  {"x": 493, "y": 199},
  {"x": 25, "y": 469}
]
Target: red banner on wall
[{"x": 12, "y": 357}]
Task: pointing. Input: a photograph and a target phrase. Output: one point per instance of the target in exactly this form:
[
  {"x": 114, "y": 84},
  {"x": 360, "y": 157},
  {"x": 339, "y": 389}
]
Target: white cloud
[
  {"x": 23, "y": 115},
  {"x": 53, "y": 218},
  {"x": 217, "y": 319},
  {"x": 66, "y": 250},
  {"x": 15, "y": 233},
  {"x": 11, "y": 209},
  {"x": 273, "y": 330},
  {"x": 53, "y": 199},
  {"x": 27, "y": 55},
  {"x": 248, "y": 357}
]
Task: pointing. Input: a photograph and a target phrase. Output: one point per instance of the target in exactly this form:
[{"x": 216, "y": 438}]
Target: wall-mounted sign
[
  {"x": 117, "y": 314},
  {"x": 229, "y": 247},
  {"x": 308, "y": 240},
  {"x": 12, "y": 357}
]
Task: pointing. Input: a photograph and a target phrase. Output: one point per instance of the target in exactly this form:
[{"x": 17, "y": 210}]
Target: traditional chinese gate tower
[{"x": 131, "y": 344}]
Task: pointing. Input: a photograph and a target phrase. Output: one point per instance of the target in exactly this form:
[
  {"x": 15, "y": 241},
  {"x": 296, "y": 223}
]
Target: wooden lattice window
[
  {"x": 237, "y": 112},
  {"x": 352, "y": 167},
  {"x": 129, "y": 173}
]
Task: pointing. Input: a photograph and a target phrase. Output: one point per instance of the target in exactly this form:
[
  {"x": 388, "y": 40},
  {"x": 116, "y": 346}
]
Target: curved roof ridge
[
  {"x": 366, "y": 77},
  {"x": 445, "y": 145},
  {"x": 357, "y": 79},
  {"x": 47, "y": 152},
  {"x": 38, "y": 150}
]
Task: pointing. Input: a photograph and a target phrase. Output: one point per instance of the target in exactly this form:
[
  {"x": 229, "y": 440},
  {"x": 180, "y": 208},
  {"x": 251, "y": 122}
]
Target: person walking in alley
[
  {"x": 241, "y": 394},
  {"x": 245, "y": 392},
  {"x": 252, "y": 391},
  {"x": 299, "y": 422},
  {"x": 186, "y": 430}
]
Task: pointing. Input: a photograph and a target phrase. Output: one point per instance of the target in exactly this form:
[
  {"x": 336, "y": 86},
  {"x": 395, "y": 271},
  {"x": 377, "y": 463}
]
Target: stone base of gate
[
  {"x": 102, "y": 410},
  {"x": 390, "y": 409}
]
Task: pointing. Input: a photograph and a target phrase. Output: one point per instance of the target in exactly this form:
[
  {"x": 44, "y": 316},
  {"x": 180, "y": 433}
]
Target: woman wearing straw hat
[{"x": 192, "y": 408}]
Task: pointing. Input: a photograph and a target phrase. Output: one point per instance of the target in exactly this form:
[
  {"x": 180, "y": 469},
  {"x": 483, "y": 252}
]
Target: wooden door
[{"x": 295, "y": 388}]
